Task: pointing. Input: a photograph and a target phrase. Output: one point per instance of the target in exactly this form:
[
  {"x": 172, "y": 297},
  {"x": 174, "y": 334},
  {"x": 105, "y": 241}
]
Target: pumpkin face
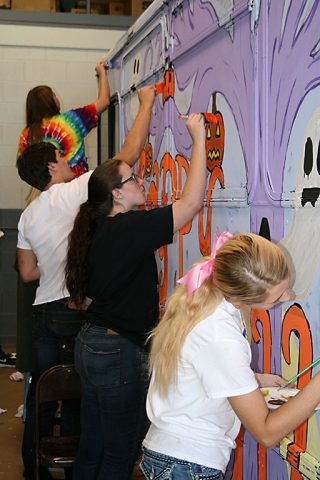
[
  {"x": 148, "y": 160},
  {"x": 168, "y": 80},
  {"x": 214, "y": 139}
]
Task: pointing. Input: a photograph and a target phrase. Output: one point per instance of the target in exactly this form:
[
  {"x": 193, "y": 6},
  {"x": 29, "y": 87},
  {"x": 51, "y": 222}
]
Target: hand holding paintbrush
[
  {"x": 300, "y": 373},
  {"x": 208, "y": 117}
]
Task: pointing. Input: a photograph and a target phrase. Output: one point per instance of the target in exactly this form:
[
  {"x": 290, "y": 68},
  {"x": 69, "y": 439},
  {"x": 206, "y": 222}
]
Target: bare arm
[
  {"x": 137, "y": 136},
  {"x": 28, "y": 265},
  {"x": 103, "y": 100},
  {"x": 269, "y": 427},
  {"x": 191, "y": 199}
]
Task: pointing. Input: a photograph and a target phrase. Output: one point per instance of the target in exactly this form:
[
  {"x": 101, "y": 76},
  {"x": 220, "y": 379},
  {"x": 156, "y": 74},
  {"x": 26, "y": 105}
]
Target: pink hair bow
[{"x": 195, "y": 277}]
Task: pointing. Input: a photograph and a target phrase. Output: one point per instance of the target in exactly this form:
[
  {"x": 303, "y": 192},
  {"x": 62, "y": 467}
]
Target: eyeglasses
[{"x": 133, "y": 178}]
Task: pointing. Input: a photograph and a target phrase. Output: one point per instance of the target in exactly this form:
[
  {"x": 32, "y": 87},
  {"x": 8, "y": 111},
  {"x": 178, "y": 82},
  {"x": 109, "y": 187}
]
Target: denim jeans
[
  {"x": 156, "y": 466},
  {"x": 55, "y": 327},
  {"x": 114, "y": 380}
]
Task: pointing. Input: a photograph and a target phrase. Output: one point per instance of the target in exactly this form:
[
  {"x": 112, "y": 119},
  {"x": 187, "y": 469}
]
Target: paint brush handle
[
  {"x": 208, "y": 117},
  {"x": 300, "y": 373}
]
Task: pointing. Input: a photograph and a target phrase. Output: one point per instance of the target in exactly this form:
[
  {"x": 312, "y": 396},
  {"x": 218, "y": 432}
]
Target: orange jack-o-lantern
[
  {"x": 214, "y": 127},
  {"x": 214, "y": 139},
  {"x": 168, "y": 88},
  {"x": 145, "y": 162},
  {"x": 148, "y": 160}
]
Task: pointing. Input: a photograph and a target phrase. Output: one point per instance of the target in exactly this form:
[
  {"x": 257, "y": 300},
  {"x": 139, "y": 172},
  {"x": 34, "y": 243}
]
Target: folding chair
[{"x": 58, "y": 383}]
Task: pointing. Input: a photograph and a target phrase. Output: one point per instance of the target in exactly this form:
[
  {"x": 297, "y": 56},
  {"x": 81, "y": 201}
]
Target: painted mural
[{"x": 252, "y": 68}]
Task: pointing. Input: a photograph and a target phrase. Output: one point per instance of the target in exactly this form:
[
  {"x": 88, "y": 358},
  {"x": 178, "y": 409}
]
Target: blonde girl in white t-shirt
[{"x": 202, "y": 386}]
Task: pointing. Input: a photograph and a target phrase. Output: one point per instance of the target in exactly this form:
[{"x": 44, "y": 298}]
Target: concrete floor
[{"x": 11, "y": 429}]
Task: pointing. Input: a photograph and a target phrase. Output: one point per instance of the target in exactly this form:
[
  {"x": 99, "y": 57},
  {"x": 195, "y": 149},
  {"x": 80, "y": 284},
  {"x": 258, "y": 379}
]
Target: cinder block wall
[{"x": 63, "y": 58}]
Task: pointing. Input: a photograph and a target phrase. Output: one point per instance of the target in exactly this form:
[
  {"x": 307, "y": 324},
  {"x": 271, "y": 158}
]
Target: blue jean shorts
[{"x": 156, "y": 466}]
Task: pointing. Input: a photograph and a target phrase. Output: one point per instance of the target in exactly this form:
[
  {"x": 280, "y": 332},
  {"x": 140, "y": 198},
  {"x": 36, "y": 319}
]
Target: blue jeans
[
  {"x": 156, "y": 466},
  {"x": 114, "y": 378},
  {"x": 55, "y": 327}
]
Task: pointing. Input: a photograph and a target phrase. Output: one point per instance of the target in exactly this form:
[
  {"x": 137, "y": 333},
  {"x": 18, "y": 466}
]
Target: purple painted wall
[{"x": 256, "y": 62}]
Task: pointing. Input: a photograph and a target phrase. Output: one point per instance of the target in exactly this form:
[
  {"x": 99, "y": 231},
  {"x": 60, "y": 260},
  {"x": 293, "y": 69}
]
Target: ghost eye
[{"x": 308, "y": 157}]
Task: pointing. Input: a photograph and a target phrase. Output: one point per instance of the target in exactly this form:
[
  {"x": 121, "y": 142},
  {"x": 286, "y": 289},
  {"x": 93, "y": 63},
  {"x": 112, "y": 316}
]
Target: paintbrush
[
  {"x": 208, "y": 117},
  {"x": 300, "y": 373}
]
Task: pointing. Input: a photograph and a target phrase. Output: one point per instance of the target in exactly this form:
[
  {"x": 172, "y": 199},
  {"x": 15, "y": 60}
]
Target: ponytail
[
  {"x": 76, "y": 267},
  {"x": 99, "y": 205}
]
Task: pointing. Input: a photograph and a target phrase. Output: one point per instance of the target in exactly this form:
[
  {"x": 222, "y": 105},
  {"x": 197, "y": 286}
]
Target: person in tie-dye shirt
[{"x": 66, "y": 131}]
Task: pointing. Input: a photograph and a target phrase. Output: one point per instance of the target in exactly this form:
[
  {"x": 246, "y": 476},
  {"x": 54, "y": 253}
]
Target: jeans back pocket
[
  {"x": 102, "y": 366},
  {"x": 155, "y": 469}
]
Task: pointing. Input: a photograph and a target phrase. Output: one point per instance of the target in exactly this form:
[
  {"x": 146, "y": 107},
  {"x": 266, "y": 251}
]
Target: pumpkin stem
[{"x": 214, "y": 102}]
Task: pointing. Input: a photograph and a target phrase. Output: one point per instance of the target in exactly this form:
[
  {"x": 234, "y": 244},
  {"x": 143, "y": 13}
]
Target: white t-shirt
[
  {"x": 44, "y": 227},
  {"x": 195, "y": 421}
]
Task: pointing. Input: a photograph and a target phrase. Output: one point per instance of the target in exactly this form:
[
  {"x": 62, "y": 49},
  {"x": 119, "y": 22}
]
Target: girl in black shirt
[{"x": 118, "y": 280}]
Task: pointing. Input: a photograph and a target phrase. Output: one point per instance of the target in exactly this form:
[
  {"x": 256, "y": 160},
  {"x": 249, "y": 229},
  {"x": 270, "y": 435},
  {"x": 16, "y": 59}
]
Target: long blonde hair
[{"x": 244, "y": 269}]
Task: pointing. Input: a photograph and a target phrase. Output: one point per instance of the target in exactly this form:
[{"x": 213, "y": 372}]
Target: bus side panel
[{"x": 252, "y": 67}]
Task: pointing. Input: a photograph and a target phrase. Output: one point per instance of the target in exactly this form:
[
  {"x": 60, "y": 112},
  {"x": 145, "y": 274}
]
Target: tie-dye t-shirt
[{"x": 66, "y": 132}]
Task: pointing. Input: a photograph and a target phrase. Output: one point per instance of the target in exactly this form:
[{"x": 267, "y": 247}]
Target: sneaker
[{"x": 8, "y": 359}]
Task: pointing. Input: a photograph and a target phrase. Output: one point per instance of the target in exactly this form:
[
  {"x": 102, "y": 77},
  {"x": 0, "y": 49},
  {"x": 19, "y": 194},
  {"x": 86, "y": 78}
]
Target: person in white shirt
[
  {"x": 202, "y": 385},
  {"x": 43, "y": 233}
]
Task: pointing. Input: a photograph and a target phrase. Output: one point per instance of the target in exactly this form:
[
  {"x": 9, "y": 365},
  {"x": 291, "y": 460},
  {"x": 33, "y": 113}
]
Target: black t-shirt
[{"x": 122, "y": 271}]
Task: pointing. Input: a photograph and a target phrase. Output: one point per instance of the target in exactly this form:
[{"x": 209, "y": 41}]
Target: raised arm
[
  {"x": 137, "y": 135},
  {"x": 103, "y": 100},
  {"x": 269, "y": 427},
  {"x": 191, "y": 199}
]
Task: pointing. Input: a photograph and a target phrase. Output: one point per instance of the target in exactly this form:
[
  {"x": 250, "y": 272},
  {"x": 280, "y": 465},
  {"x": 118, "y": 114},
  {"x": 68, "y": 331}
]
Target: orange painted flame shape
[
  {"x": 296, "y": 322},
  {"x": 167, "y": 166},
  {"x": 262, "y": 317},
  {"x": 182, "y": 165}
]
